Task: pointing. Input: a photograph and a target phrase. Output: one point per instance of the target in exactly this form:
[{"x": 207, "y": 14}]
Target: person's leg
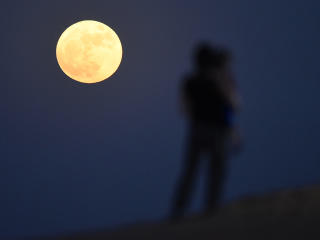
[
  {"x": 183, "y": 193},
  {"x": 216, "y": 171}
]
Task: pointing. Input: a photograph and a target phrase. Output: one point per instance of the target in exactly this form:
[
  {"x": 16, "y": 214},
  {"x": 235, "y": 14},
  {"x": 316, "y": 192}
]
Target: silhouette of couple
[{"x": 210, "y": 103}]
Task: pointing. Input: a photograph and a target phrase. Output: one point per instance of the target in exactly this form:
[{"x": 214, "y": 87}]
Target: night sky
[{"x": 75, "y": 156}]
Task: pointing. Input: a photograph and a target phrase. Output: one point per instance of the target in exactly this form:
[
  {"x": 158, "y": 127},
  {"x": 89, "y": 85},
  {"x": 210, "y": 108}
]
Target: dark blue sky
[{"x": 76, "y": 156}]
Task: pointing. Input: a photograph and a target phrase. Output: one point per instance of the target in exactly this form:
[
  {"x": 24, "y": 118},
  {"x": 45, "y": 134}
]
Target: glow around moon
[{"x": 89, "y": 51}]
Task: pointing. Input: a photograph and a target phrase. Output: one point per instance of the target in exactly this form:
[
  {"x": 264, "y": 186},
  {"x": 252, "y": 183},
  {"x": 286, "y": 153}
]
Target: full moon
[{"x": 89, "y": 51}]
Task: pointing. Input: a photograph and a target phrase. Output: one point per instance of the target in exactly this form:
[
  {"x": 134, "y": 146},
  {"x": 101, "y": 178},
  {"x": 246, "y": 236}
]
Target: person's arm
[
  {"x": 184, "y": 107},
  {"x": 229, "y": 91}
]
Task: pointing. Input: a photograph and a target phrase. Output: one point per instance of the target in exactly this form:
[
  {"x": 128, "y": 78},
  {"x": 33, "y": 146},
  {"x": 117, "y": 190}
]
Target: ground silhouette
[{"x": 285, "y": 214}]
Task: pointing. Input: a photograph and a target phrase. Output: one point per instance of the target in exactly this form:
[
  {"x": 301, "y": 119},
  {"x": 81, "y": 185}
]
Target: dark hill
[{"x": 286, "y": 214}]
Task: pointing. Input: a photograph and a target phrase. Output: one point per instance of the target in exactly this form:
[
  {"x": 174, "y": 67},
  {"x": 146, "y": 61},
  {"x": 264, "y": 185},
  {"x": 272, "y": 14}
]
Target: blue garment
[{"x": 229, "y": 116}]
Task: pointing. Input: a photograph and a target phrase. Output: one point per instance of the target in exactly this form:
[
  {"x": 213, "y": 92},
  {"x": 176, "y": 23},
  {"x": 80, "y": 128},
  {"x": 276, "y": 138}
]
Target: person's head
[{"x": 211, "y": 58}]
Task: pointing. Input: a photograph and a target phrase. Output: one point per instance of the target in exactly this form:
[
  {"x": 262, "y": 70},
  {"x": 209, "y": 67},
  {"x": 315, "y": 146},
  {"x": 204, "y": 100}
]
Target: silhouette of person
[{"x": 210, "y": 102}]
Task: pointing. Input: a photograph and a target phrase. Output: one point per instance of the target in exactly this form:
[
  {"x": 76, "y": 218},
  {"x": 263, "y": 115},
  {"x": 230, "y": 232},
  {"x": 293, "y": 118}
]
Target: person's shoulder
[
  {"x": 188, "y": 78},
  {"x": 187, "y": 82}
]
